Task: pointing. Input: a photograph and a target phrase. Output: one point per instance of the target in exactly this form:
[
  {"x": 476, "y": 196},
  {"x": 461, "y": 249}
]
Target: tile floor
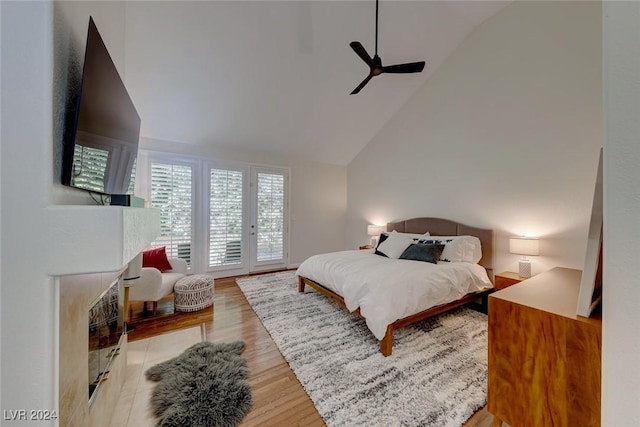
[{"x": 132, "y": 409}]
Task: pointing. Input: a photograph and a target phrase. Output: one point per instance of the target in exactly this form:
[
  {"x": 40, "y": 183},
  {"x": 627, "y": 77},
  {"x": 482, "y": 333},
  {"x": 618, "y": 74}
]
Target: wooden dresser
[{"x": 544, "y": 360}]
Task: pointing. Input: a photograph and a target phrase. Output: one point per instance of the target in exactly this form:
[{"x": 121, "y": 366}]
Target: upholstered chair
[{"x": 155, "y": 285}]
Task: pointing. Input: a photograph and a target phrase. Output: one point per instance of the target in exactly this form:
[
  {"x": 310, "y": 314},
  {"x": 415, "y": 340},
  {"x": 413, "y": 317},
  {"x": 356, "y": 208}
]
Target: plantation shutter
[
  {"x": 171, "y": 190},
  {"x": 270, "y": 216},
  {"x": 225, "y": 217}
]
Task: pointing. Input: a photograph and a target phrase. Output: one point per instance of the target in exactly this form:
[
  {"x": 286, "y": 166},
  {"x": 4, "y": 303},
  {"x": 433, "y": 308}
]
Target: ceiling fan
[{"x": 375, "y": 63}]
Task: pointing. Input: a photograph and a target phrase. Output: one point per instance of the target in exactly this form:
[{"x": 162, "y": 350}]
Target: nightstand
[
  {"x": 365, "y": 247},
  {"x": 506, "y": 279}
]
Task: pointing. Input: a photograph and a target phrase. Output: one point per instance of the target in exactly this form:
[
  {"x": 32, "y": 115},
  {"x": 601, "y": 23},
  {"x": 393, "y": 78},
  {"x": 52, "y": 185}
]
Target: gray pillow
[{"x": 428, "y": 252}]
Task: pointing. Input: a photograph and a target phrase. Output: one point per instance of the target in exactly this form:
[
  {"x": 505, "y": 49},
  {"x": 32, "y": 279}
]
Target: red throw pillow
[{"x": 156, "y": 258}]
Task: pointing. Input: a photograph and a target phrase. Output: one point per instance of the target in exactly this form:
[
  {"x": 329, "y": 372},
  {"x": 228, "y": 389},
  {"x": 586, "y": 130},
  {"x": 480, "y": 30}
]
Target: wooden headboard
[{"x": 445, "y": 227}]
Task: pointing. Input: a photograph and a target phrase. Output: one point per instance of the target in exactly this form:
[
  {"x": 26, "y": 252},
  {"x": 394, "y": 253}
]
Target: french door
[
  {"x": 248, "y": 224},
  {"x": 267, "y": 219}
]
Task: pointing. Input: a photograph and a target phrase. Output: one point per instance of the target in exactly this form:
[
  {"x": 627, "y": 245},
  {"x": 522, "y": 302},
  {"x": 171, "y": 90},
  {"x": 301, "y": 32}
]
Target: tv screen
[{"x": 99, "y": 156}]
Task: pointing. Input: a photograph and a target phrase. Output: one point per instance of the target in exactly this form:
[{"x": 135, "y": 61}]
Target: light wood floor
[{"x": 278, "y": 396}]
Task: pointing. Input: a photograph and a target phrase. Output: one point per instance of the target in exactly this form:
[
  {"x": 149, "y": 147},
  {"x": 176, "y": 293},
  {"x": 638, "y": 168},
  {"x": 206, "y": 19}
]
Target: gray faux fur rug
[
  {"x": 205, "y": 386},
  {"x": 436, "y": 376}
]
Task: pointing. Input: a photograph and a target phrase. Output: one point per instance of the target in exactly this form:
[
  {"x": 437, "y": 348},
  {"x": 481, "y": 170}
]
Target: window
[
  {"x": 225, "y": 217},
  {"x": 270, "y": 215},
  {"x": 171, "y": 193}
]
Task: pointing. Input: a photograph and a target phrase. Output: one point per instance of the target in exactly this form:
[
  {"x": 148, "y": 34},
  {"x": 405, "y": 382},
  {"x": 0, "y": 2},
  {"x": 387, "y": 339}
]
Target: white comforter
[{"x": 387, "y": 289}]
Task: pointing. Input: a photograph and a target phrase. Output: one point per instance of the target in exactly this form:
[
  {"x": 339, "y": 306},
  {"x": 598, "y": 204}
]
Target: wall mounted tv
[{"x": 101, "y": 148}]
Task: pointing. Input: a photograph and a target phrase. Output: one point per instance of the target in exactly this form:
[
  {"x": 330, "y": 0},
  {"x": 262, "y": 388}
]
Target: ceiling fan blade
[
  {"x": 361, "y": 85},
  {"x": 413, "y": 67},
  {"x": 362, "y": 53}
]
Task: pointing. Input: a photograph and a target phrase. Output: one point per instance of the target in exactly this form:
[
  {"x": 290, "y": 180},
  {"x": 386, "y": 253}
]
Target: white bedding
[{"x": 387, "y": 289}]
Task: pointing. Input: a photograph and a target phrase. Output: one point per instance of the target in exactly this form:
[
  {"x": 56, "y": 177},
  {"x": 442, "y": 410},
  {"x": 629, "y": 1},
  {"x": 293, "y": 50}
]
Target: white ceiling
[{"x": 276, "y": 76}]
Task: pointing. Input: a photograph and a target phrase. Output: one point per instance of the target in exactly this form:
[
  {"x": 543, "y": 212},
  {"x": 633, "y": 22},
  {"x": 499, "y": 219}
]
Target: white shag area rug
[{"x": 436, "y": 376}]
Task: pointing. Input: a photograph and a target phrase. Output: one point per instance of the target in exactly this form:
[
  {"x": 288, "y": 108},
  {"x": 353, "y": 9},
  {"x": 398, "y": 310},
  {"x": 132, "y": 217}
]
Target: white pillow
[
  {"x": 395, "y": 244},
  {"x": 460, "y": 248},
  {"x": 412, "y": 235}
]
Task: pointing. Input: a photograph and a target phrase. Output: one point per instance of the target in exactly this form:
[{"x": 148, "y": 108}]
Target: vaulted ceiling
[{"x": 275, "y": 76}]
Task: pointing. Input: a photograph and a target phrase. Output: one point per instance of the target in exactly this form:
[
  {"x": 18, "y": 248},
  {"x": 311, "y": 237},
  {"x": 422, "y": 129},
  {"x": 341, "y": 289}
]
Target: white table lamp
[
  {"x": 525, "y": 247},
  {"x": 374, "y": 231}
]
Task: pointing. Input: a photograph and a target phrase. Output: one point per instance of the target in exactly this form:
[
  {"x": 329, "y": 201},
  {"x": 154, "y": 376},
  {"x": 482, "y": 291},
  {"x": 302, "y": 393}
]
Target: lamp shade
[
  {"x": 375, "y": 230},
  {"x": 524, "y": 246}
]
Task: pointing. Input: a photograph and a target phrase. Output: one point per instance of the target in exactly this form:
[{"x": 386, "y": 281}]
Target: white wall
[
  {"x": 621, "y": 252},
  {"x": 317, "y": 200},
  {"x": 27, "y": 294},
  {"x": 0, "y": 220},
  {"x": 504, "y": 135},
  {"x": 31, "y": 88}
]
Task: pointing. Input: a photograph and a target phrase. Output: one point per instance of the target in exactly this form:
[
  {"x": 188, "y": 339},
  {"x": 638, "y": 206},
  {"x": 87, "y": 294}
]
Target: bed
[{"x": 369, "y": 285}]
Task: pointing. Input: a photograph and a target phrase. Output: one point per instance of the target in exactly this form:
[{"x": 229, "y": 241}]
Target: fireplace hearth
[
  {"x": 94, "y": 245},
  {"x": 93, "y": 347}
]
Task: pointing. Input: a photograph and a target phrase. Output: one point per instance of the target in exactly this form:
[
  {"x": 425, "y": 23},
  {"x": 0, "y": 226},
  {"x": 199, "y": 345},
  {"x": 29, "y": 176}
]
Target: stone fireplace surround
[{"x": 96, "y": 243}]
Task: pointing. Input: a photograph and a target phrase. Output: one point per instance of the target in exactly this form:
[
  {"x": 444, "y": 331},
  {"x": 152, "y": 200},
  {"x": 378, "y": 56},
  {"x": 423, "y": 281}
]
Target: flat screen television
[{"x": 100, "y": 151}]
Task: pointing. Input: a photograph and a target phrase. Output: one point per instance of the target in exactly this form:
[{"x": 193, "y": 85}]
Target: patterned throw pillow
[
  {"x": 446, "y": 253},
  {"x": 459, "y": 248},
  {"x": 381, "y": 239}
]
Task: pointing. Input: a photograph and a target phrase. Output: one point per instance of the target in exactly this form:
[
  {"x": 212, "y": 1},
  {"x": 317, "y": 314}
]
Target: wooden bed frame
[{"x": 436, "y": 227}]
